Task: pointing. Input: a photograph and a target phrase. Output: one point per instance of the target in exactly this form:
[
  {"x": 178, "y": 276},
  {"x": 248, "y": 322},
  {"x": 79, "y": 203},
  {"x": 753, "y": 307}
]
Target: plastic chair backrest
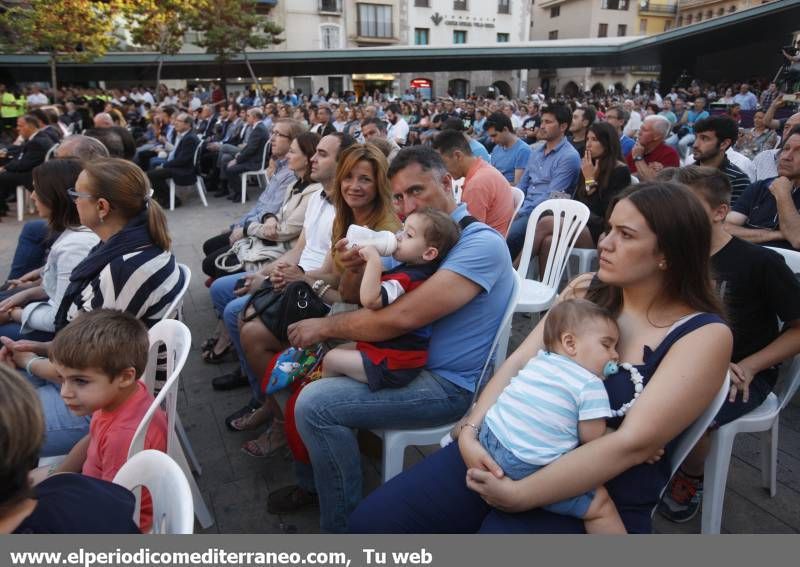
[
  {"x": 791, "y": 257},
  {"x": 49, "y": 155},
  {"x": 198, "y": 150},
  {"x": 573, "y": 216},
  {"x": 173, "y": 508},
  {"x": 519, "y": 199},
  {"x": 177, "y": 340},
  {"x": 692, "y": 434},
  {"x": 505, "y": 323},
  {"x": 265, "y": 155},
  {"x": 788, "y": 382},
  {"x": 175, "y": 306}
]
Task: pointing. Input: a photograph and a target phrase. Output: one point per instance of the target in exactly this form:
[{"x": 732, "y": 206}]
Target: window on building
[
  {"x": 622, "y": 30},
  {"x": 680, "y": 20},
  {"x": 688, "y": 18},
  {"x": 422, "y": 3},
  {"x": 643, "y": 26},
  {"x": 721, "y": 11},
  {"x": 668, "y": 25},
  {"x": 502, "y": 38},
  {"x": 459, "y": 36},
  {"x": 374, "y": 20},
  {"x": 553, "y": 35},
  {"x": 330, "y": 5},
  {"x": 330, "y": 36},
  {"x": 421, "y": 36},
  {"x": 614, "y": 4},
  {"x": 602, "y": 30},
  {"x": 555, "y": 11},
  {"x": 460, "y": 5},
  {"x": 709, "y": 15},
  {"x": 503, "y": 6},
  {"x": 698, "y": 17},
  {"x": 732, "y": 9}
]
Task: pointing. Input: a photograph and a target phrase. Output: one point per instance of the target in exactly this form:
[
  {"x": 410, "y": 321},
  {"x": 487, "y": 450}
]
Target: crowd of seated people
[{"x": 102, "y": 245}]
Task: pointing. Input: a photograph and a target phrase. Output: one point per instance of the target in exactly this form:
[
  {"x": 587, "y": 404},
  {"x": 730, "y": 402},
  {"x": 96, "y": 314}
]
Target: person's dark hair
[
  {"x": 499, "y": 122},
  {"x": 671, "y": 211},
  {"x": 126, "y": 187},
  {"x": 110, "y": 139},
  {"x": 453, "y": 124},
  {"x": 307, "y": 142},
  {"x": 723, "y": 126},
  {"x": 623, "y": 114},
  {"x": 423, "y": 156},
  {"x": 128, "y": 143},
  {"x": 51, "y": 180},
  {"x": 713, "y": 185},
  {"x": 394, "y": 107},
  {"x": 793, "y": 132},
  {"x": 383, "y": 145},
  {"x": 589, "y": 114},
  {"x": 380, "y": 124},
  {"x": 440, "y": 231},
  {"x": 104, "y": 339},
  {"x": 21, "y": 437},
  {"x": 345, "y": 141},
  {"x": 560, "y": 112},
  {"x": 32, "y": 120},
  {"x": 607, "y": 136},
  {"x": 447, "y": 141},
  {"x": 571, "y": 316}
]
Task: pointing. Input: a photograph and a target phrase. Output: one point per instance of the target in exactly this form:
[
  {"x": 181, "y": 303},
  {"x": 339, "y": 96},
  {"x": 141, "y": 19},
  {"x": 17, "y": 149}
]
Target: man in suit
[
  {"x": 23, "y": 158},
  {"x": 249, "y": 157},
  {"x": 207, "y": 121},
  {"x": 179, "y": 164},
  {"x": 228, "y": 140}
]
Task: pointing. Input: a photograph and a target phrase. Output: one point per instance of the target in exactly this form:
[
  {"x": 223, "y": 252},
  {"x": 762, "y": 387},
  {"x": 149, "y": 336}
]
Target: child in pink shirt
[{"x": 100, "y": 357}]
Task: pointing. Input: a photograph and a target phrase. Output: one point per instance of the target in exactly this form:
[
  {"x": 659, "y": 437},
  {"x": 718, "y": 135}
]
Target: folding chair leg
[
  {"x": 20, "y": 203},
  {"x": 769, "y": 458},
  {"x": 171, "y": 195},
  {"x": 714, "y": 481},
  {"x": 187, "y": 447},
  {"x": 200, "y": 509},
  {"x": 244, "y": 187},
  {"x": 201, "y": 190}
]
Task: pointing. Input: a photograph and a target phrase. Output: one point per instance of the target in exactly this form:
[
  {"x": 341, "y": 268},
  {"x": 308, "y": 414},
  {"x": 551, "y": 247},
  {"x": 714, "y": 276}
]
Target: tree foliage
[{"x": 160, "y": 25}]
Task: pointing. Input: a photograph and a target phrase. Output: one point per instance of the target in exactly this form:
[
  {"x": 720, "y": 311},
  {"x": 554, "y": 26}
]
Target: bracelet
[
  {"x": 589, "y": 182},
  {"x": 323, "y": 291},
  {"x": 30, "y": 364},
  {"x": 317, "y": 286},
  {"x": 473, "y": 426}
]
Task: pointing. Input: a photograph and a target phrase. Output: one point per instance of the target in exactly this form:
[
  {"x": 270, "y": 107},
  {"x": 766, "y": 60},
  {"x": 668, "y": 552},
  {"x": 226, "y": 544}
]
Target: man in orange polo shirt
[{"x": 486, "y": 191}]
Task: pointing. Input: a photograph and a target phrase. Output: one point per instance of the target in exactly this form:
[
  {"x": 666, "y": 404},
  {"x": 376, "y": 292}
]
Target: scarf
[{"x": 134, "y": 236}]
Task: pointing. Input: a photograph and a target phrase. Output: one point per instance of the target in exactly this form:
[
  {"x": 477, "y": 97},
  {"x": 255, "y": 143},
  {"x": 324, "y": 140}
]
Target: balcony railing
[
  {"x": 460, "y": 5},
  {"x": 331, "y": 6},
  {"x": 654, "y": 8}
]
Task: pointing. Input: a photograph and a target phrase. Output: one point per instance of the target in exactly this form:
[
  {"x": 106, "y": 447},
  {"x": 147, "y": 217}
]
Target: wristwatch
[{"x": 638, "y": 158}]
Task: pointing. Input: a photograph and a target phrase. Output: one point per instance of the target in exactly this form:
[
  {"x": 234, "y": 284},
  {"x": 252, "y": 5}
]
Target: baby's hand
[
  {"x": 368, "y": 253},
  {"x": 655, "y": 458}
]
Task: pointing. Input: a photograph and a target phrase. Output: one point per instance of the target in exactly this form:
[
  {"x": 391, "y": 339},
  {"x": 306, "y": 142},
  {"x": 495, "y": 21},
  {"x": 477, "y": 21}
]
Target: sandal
[
  {"x": 208, "y": 344},
  {"x": 212, "y": 357},
  {"x": 252, "y": 420},
  {"x": 272, "y": 440}
]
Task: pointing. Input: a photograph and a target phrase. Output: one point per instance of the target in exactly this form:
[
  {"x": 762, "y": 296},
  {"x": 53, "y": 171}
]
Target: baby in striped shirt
[{"x": 556, "y": 402}]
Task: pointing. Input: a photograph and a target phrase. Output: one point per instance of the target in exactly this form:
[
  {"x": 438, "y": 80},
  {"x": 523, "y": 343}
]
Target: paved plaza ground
[{"x": 235, "y": 485}]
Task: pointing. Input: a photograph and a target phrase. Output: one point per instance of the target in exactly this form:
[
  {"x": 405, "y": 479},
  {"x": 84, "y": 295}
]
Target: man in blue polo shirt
[
  {"x": 510, "y": 155},
  {"x": 465, "y": 300},
  {"x": 553, "y": 168},
  {"x": 767, "y": 211}
]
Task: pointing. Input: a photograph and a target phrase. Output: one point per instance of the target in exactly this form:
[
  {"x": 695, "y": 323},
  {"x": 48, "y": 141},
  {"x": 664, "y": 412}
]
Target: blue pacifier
[{"x": 610, "y": 368}]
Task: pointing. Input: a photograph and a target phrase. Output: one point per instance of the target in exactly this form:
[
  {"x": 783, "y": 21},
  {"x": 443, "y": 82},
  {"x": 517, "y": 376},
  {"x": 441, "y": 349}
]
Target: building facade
[{"x": 693, "y": 11}]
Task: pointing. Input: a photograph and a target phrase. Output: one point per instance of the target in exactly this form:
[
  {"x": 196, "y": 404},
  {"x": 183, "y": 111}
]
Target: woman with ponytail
[{"x": 131, "y": 269}]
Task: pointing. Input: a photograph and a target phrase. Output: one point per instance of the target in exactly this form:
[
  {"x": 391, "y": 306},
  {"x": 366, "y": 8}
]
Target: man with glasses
[
  {"x": 180, "y": 161},
  {"x": 618, "y": 117}
]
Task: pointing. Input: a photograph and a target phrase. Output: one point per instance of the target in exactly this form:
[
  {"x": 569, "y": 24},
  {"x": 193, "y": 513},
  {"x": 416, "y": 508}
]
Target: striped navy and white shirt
[
  {"x": 143, "y": 283},
  {"x": 739, "y": 179}
]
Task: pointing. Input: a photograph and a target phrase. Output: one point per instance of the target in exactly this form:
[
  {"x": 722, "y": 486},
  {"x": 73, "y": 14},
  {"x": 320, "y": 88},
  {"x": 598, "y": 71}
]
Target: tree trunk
[
  {"x": 222, "y": 79},
  {"x": 53, "y": 82},
  {"x": 252, "y": 73},
  {"x": 158, "y": 77}
]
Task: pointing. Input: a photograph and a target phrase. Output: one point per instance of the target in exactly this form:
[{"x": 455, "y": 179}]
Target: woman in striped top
[{"x": 132, "y": 270}]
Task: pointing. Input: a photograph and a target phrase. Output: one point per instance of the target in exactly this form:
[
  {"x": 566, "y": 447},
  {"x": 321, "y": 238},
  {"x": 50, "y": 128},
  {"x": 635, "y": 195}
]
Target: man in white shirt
[
  {"x": 37, "y": 98},
  {"x": 398, "y": 127}
]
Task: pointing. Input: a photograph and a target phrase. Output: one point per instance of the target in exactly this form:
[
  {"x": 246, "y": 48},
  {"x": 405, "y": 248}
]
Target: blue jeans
[
  {"x": 516, "y": 235},
  {"x": 685, "y": 145},
  {"x": 34, "y": 240},
  {"x": 62, "y": 428},
  {"x": 328, "y": 411},
  {"x": 13, "y": 331},
  {"x": 228, "y": 308}
]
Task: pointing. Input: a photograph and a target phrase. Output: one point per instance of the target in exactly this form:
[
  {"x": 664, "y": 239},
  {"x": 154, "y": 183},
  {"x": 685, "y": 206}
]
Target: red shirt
[
  {"x": 488, "y": 196},
  {"x": 663, "y": 154}
]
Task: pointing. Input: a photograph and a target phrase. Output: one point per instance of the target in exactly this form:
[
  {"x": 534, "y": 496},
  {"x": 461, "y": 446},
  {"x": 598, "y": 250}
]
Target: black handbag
[{"x": 279, "y": 309}]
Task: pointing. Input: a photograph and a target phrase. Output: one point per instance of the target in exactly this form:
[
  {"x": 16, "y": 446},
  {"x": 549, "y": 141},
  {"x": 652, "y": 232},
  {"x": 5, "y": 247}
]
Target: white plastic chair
[
  {"x": 457, "y": 186},
  {"x": 570, "y": 217},
  {"x": 177, "y": 340},
  {"x": 49, "y": 155},
  {"x": 175, "y": 308},
  {"x": 258, "y": 172},
  {"x": 199, "y": 184},
  {"x": 763, "y": 419},
  {"x": 519, "y": 199},
  {"x": 694, "y": 432},
  {"x": 585, "y": 258},
  {"x": 791, "y": 257},
  {"x": 395, "y": 441},
  {"x": 173, "y": 512}
]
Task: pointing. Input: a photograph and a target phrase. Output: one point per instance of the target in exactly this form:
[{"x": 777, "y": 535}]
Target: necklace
[{"x": 638, "y": 386}]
